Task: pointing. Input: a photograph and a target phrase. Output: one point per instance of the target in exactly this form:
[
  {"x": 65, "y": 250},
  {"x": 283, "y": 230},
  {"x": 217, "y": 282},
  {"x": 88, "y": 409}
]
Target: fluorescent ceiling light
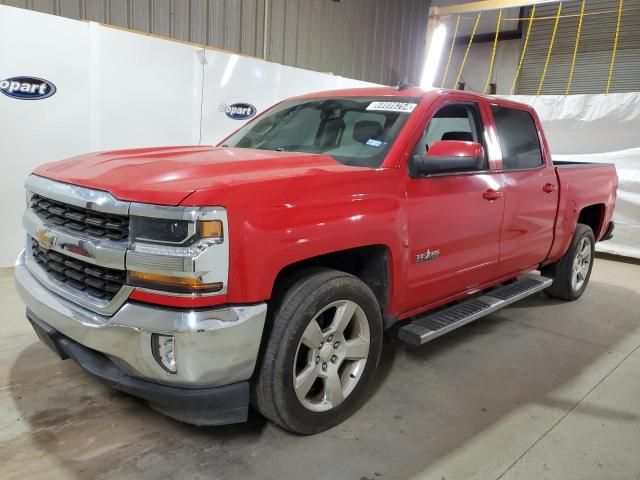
[{"x": 434, "y": 54}]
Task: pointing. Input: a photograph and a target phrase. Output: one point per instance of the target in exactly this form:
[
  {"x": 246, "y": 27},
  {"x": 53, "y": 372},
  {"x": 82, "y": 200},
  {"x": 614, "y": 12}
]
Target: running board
[{"x": 431, "y": 326}]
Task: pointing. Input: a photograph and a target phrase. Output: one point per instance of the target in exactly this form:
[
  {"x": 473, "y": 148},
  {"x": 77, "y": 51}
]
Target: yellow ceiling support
[
  {"x": 553, "y": 39},
  {"x": 484, "y": 5},
  {"x": 524, "y": 50},
  {"x": 575, "y": 48},
  {"x": 436, "y": 14},
  {"x": 493, "y": 53},
  {"x": 453, "y": 42},
  {"x": 615, "y": 48},
  {"x": 466, "y": 53}
]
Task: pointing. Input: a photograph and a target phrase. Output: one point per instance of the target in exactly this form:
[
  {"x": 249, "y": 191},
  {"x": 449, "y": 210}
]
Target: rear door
[
  {"x": 530, "y": 191},
  {"x": 453, "y": 230}
]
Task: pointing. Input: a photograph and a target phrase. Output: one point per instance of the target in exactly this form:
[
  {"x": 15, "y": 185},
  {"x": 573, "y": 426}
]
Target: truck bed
[{"x": 587, "y": 184}]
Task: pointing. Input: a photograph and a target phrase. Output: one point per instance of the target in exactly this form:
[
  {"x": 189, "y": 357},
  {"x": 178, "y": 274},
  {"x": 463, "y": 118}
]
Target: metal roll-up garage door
[{"x": 594, "y": 52}]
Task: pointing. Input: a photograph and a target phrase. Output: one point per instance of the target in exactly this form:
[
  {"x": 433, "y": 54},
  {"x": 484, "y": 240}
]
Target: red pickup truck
[{"x": 264, "y": 271}]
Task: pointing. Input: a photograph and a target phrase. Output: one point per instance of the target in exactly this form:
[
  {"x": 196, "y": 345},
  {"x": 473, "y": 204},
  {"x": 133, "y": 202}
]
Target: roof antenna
[{"x": 403, "y": 84}]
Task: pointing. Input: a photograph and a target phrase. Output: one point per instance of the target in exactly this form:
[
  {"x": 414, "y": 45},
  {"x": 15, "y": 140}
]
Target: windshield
[{"x": 355, "y": 131}]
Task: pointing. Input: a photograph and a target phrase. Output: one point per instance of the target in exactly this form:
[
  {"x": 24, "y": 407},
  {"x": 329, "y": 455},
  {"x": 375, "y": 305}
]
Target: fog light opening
[{"x": 163, "y": 348}]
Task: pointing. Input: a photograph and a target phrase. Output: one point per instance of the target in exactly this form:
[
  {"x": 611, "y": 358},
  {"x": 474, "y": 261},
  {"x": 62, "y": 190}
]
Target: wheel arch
[
  {"x": 370, "y": 263},
  {"x": 593, "y": 216}
]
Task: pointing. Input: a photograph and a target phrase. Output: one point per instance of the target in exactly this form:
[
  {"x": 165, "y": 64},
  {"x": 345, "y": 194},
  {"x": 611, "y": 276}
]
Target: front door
[{"x": 454, "y": 221}]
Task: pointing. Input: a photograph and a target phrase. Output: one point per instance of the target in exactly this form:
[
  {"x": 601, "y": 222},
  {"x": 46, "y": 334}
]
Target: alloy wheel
[
  {"x": 331, "y": 356},
  {"x": 581, "y": 264}
]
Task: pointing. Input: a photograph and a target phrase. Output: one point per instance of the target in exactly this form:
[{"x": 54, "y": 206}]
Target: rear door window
[{"x": 518, "y": 138}]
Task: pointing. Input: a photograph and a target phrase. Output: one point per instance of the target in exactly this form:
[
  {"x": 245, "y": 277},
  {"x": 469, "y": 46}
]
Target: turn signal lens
[
  {"x": 210, "y": 229},
  {"x": 172, "y": 284}
]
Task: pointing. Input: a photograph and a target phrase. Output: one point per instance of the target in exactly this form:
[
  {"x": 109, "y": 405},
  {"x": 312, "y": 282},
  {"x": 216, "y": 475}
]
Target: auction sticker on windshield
[{"x": 402, "y": 107}]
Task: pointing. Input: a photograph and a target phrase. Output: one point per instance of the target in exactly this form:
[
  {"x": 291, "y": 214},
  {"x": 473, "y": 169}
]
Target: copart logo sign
[
  {"x": 27, "y": 88},
  {"x": 238, "y": 111}
]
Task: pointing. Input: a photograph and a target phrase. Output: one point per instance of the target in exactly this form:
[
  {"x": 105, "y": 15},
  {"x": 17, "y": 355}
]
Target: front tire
[
  {"x": 572, "y": 272},
  {"x": 322, "y": 352}
]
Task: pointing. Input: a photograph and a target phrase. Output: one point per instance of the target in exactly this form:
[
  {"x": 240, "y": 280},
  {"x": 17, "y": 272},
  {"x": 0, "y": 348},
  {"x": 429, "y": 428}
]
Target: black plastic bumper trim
[{"x": 198, "y": 406}]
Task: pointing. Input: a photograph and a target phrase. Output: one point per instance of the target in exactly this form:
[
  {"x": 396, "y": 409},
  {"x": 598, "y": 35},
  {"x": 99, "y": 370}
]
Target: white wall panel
[
  {"x": 118, "y": 89},
  {"x": 150, "y": 91},
  {"x": 230, "y": 79},
  {"x": 33, "y": 132}
]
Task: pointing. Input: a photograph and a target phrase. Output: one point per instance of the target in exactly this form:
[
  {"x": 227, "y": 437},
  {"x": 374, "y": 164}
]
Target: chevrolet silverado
[{"x": 265, "y": 270}]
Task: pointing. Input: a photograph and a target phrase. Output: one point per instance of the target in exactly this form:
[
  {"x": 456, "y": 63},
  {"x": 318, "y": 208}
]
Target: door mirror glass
[{"x": 449, "y": 156}]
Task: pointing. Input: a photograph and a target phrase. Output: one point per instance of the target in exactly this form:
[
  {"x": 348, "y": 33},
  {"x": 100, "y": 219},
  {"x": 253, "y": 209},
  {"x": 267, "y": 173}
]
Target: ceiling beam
[{"x": 483, "y": 5}]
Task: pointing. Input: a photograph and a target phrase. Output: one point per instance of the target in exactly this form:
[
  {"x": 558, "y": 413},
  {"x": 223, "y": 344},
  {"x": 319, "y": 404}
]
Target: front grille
[
  {"x": 98, "y": 224},
  {"x": 99, "y": 282}
]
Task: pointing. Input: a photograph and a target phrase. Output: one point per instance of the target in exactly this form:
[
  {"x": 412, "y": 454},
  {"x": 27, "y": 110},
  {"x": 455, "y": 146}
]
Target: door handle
[
  {"x": 492, "y": 194},
  {"x": 549, "y": 187}
]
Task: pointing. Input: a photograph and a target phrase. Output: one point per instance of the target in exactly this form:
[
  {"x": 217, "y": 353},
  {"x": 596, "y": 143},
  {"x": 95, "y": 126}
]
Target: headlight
[
  {"x": 167, "y": 231},
  {"x": 179, "y": 250}
]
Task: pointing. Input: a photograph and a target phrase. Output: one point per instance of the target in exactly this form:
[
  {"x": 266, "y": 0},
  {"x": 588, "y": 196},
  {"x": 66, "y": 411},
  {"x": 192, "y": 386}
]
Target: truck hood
[{"x": 167, "y": 175}]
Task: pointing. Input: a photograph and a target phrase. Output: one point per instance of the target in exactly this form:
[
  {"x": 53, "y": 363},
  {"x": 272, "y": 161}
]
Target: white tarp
[
  {"x": 600, "y": 128},
  {"x": 118, "y": 89}
]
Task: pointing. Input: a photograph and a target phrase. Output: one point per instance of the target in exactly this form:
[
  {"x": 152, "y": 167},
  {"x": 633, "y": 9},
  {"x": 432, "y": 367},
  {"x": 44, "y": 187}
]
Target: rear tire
[
  {"x": 572, "y": 272},
  {"x": 322, "y": 353}
]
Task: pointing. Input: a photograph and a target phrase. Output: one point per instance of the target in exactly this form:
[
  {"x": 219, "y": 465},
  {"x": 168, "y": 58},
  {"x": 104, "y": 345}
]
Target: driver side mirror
[{"x": 448, "y": 156}]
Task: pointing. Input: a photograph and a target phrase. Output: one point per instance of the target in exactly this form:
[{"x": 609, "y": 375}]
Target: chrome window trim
[
  {"x": 79, "y": 297},
  {"x": 454, "y": 174},
  {"x": 527, "y": 169},
  {"x": 82, "y": 197}
]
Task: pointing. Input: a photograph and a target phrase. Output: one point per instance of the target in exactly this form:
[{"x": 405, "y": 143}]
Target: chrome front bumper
[{"x": 212, "y": 347}]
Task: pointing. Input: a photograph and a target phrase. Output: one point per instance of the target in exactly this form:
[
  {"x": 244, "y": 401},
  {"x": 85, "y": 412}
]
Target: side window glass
[
  {"x": 518, "y": 138},
  {"x": 454, "y": 121}
]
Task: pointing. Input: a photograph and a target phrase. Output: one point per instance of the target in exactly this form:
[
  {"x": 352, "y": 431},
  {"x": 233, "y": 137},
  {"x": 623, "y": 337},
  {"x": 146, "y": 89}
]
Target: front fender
[{"x": 283, "y": 221}]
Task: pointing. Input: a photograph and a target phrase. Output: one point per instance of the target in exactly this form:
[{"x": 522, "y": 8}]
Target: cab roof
[{"x": 416, "y": 92}]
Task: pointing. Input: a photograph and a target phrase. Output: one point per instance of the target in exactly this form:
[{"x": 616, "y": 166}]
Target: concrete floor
[{"x": 542, "y": 390}]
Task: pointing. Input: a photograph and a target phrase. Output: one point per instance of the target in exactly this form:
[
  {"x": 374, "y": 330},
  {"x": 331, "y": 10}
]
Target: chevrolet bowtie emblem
[{"x": 45, "y": 238}]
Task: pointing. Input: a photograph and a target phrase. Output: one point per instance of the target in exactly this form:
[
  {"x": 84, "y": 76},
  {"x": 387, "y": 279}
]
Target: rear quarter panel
[{"x": 582, "y": 185}]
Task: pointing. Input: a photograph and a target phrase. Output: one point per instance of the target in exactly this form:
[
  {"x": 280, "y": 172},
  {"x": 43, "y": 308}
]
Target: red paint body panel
[
  {"x": 285, "y": 207},
  {"x": 284, "y": 220},
  {"x": 581, "y": 186},
  {"x": 167, "y": 175}
]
